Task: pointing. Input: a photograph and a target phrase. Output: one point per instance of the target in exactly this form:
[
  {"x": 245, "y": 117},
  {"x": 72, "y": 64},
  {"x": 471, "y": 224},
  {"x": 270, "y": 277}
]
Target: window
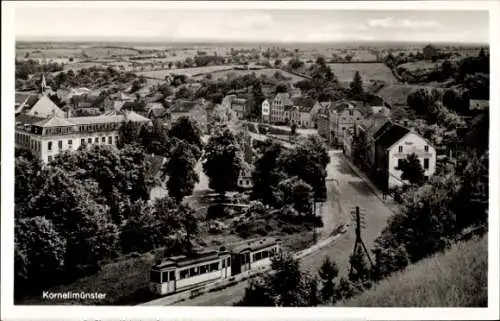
[
  {"x": 400, "y": 149},
  {"x": 70, "y": 142},
  {"x": 204, "y": 269},
  {"x": 184, "y": 274},
  {"x": 89, "y": 140},
  {"x": 426, "y": 163},
  {"x": 223, "y": 263},
  {"x": 172, "y": 276},
  {"x": 426, "y": 148},
  {"x": 164, "y": 276},
  {"x": 103, "y": 140},
  {"x": 155, "y": 276},
  {"x": 214, "y": 266},
  {"x": 228, "y": 261},
  {"x": 59, "y": 144},
  {"x": 49, "y": 146},
  {"x": 193, "y": 271},
  {"x": 400, "y": 162},
  {"x": 82, "y": 142},
  {"x": 265, "y": 254},
  {"x": 49, "y": 159},
  {"x": 110, "y": 140}
]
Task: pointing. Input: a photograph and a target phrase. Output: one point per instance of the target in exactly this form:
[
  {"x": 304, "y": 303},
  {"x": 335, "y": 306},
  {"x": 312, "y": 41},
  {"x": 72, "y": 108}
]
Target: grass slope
[{"x": 457, "y": 278}]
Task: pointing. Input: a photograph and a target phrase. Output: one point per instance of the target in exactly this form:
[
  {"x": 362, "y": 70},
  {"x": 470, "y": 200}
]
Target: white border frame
[{"x": 9, "y": 311}]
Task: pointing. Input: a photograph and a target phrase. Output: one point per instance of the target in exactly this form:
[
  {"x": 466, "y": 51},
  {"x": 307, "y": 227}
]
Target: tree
[
  {"x": 287, "y": 287},
  {"x": 223, "y": 161},
  {"x": 281, "y": 88},
  {"x": 357, "y": 84},
  {"x": 360, "y": 272},
  {"x": 426, "y": 222},
  {"x": 267, "y": 173},
  {"x": 327, "y": 272},
  {"x": 84, "y": 223},
  {"x": 423, "y": 99},
  {"x": 187, "y": 130},
  {"x": 127, "y": 134},
  {"x": 412, "y": 170},
  {"x": 39, "y": 252},
  {"x": 308, "y": 161},
  {"x": 28, "y": 178},
  {"x": 297, "y": 192},
  {"x": 179, "y": 226},
  {"x": 180, "y": 169}
]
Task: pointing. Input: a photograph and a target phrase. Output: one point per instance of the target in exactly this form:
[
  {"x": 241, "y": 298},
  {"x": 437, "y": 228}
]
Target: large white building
[
  {"x": 388, "y": 145},
  {"x": 47, "y": 137}
]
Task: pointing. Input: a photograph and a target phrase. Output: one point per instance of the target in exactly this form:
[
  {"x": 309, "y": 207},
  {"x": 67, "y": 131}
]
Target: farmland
[
  {"x": 269, "y": 72},
  {"x": 368, "y": 71},
  {"x": 160, "y": 74}
]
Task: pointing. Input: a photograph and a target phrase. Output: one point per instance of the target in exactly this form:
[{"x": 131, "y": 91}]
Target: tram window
[
  {"x": 184, "y": 274},
  {"x": 214, "y": 266},
  {"x": 193, "y": 271},
  {"x": 204, "y": 269},
  {"x": 155, "y": 277},
  {"x": 265, "y": 254},
  {"x": 172, "y": 275},
  {"x": 223, "y": 263},
  {"x": 228, "y": 261},
  {"x": 164, "y": 276},
  {"x": 257, "y": 256}
]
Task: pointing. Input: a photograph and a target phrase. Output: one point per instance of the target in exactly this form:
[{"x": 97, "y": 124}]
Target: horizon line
[{"x": 215, "y": 40}]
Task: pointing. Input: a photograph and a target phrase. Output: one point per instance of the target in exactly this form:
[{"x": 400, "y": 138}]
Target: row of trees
[{"x": 25, "y": 68}]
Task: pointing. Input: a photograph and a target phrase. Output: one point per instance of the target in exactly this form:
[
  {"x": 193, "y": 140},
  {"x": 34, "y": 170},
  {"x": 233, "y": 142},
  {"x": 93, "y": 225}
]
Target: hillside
[{"x": 457, "y": 278}]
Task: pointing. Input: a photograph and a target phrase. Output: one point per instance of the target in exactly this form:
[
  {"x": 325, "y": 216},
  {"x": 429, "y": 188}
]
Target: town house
[
  {"x": 308, "y": 108},
  {"x": 388, "y": 144},
  {"x": 278, "y": 107}
]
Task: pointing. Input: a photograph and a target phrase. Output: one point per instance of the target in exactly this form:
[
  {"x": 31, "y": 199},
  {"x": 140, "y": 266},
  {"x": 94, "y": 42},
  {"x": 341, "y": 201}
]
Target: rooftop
[
  {"x": 255, "y": 245},
  {"x": 391, "y": 135}
]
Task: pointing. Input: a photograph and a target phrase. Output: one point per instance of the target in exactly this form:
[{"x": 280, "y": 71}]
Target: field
[
  {"x": 457, "y": 278},
  {"x": 160, "y": 74},
  {"x": 48, "y": 53},
  {"x": 368, "y": 71},
  {"x": 269, "y": 72},
  {"x": 102, "y": 52}
]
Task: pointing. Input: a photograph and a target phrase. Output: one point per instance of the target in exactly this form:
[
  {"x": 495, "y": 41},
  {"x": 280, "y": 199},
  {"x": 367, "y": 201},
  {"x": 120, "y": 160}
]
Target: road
[{"x": 345, "y": 192}]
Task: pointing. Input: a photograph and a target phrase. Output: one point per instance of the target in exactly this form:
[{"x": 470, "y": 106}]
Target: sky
[{"x": 85, "y": 23}]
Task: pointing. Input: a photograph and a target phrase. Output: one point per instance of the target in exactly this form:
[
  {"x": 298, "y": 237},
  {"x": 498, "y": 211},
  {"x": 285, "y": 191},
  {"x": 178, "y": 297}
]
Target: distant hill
[{"x": 457, "y": 278}]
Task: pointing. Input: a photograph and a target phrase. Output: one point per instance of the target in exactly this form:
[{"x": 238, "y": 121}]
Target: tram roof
[
  {"x": 183, "y": 260},
  {"x": 255, "y": 245}
]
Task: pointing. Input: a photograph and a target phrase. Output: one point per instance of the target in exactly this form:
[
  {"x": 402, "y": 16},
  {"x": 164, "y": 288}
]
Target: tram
[{"x": 179, "y": 273}]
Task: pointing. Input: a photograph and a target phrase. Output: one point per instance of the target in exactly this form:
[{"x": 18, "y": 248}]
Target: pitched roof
[
  {"x": 54, "y": 121},
  {"x": 391, "y": 135},
  {"x": 29, "y": 99},
  {"x": 239, "y": 101},
  {"x": 27, "y": 119},
  {"x": 45, "y": 106},
  {"x": 305, "y": 104},
  {"x": 183, "y": 106},
  {"x": 285, "y": 97}
]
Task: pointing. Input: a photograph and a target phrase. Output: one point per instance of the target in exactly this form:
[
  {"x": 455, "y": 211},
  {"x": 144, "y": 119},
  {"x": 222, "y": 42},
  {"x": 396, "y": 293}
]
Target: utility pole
[{"x": 360, "y": 223}]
